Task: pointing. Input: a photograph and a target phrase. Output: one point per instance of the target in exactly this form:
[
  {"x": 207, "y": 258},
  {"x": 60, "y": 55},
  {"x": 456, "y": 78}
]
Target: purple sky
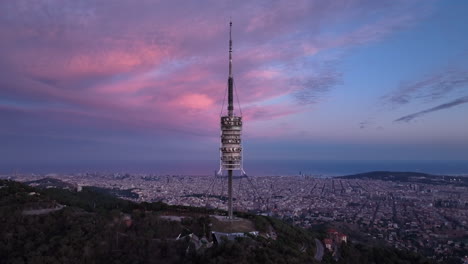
[{"x": 317, "y": 80}]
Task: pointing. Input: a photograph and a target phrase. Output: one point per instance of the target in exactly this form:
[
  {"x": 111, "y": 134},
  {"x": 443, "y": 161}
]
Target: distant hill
[
  {"x": 51, "y": 183},
  {"x": 412, "y": 177},
  {"x": 96, "y": 227},
  {"x": 46, "y": 183}
]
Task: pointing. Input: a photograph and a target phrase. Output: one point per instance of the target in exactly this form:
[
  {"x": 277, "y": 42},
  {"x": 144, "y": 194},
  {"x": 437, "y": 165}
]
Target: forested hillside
[{"x": 62, "y": 226}]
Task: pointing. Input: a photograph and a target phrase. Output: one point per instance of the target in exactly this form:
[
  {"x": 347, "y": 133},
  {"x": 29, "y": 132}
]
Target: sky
[{"x": 124, "y": 80}]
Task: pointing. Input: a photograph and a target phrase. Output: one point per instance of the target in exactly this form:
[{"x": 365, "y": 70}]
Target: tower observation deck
[{"x": 231, "y": 131}]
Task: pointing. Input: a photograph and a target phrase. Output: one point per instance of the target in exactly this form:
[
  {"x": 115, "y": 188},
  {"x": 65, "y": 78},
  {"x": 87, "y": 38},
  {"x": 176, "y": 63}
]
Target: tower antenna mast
[{"x": 230, "y": 78}]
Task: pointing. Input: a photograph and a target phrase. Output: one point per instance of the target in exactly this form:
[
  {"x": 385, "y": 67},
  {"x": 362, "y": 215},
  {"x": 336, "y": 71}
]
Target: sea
[{"x": 316, "y": 168}]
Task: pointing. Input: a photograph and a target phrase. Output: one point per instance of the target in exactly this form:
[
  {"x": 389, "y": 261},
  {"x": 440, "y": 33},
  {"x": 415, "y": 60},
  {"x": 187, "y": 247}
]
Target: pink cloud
[
  {"x": 151, "y": 65},
  {"x": 194, "y": 101}
]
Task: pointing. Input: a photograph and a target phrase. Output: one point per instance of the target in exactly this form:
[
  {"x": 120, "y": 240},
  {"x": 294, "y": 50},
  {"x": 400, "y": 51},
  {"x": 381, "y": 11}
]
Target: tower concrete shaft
[{"x": 230, "y": 214}]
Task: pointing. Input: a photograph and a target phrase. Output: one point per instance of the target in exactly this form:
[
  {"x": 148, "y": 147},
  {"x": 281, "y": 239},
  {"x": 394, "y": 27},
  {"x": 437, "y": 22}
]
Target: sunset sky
[{"x": 317, "y": 80}]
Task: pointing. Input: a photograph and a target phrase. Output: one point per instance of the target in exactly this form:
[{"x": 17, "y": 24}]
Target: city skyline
[{"x": 126, "y": 81}]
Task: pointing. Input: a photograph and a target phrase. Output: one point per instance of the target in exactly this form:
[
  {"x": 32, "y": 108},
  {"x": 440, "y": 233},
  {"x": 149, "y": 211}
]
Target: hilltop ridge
[{"x": 408, "y": 176}]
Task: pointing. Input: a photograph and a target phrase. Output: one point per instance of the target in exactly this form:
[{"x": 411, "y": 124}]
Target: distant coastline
[{"x": 314, "y": 168}]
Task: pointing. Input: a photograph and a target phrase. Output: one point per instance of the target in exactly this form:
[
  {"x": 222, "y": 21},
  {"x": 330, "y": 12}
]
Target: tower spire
[
  {"x": 230, "y": 78},
  {"x": 230, "y": 49}
]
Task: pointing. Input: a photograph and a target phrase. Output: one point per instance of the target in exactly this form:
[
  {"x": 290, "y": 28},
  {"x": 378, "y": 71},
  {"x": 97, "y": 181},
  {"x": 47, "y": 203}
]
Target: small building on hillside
[
  {"x": 218, "y": 236},
  {"x": 328, "y": 243}
]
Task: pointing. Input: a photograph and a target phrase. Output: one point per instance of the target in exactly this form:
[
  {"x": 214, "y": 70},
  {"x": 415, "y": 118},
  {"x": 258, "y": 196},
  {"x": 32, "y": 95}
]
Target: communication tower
[{"x": 231, "y": 131}]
